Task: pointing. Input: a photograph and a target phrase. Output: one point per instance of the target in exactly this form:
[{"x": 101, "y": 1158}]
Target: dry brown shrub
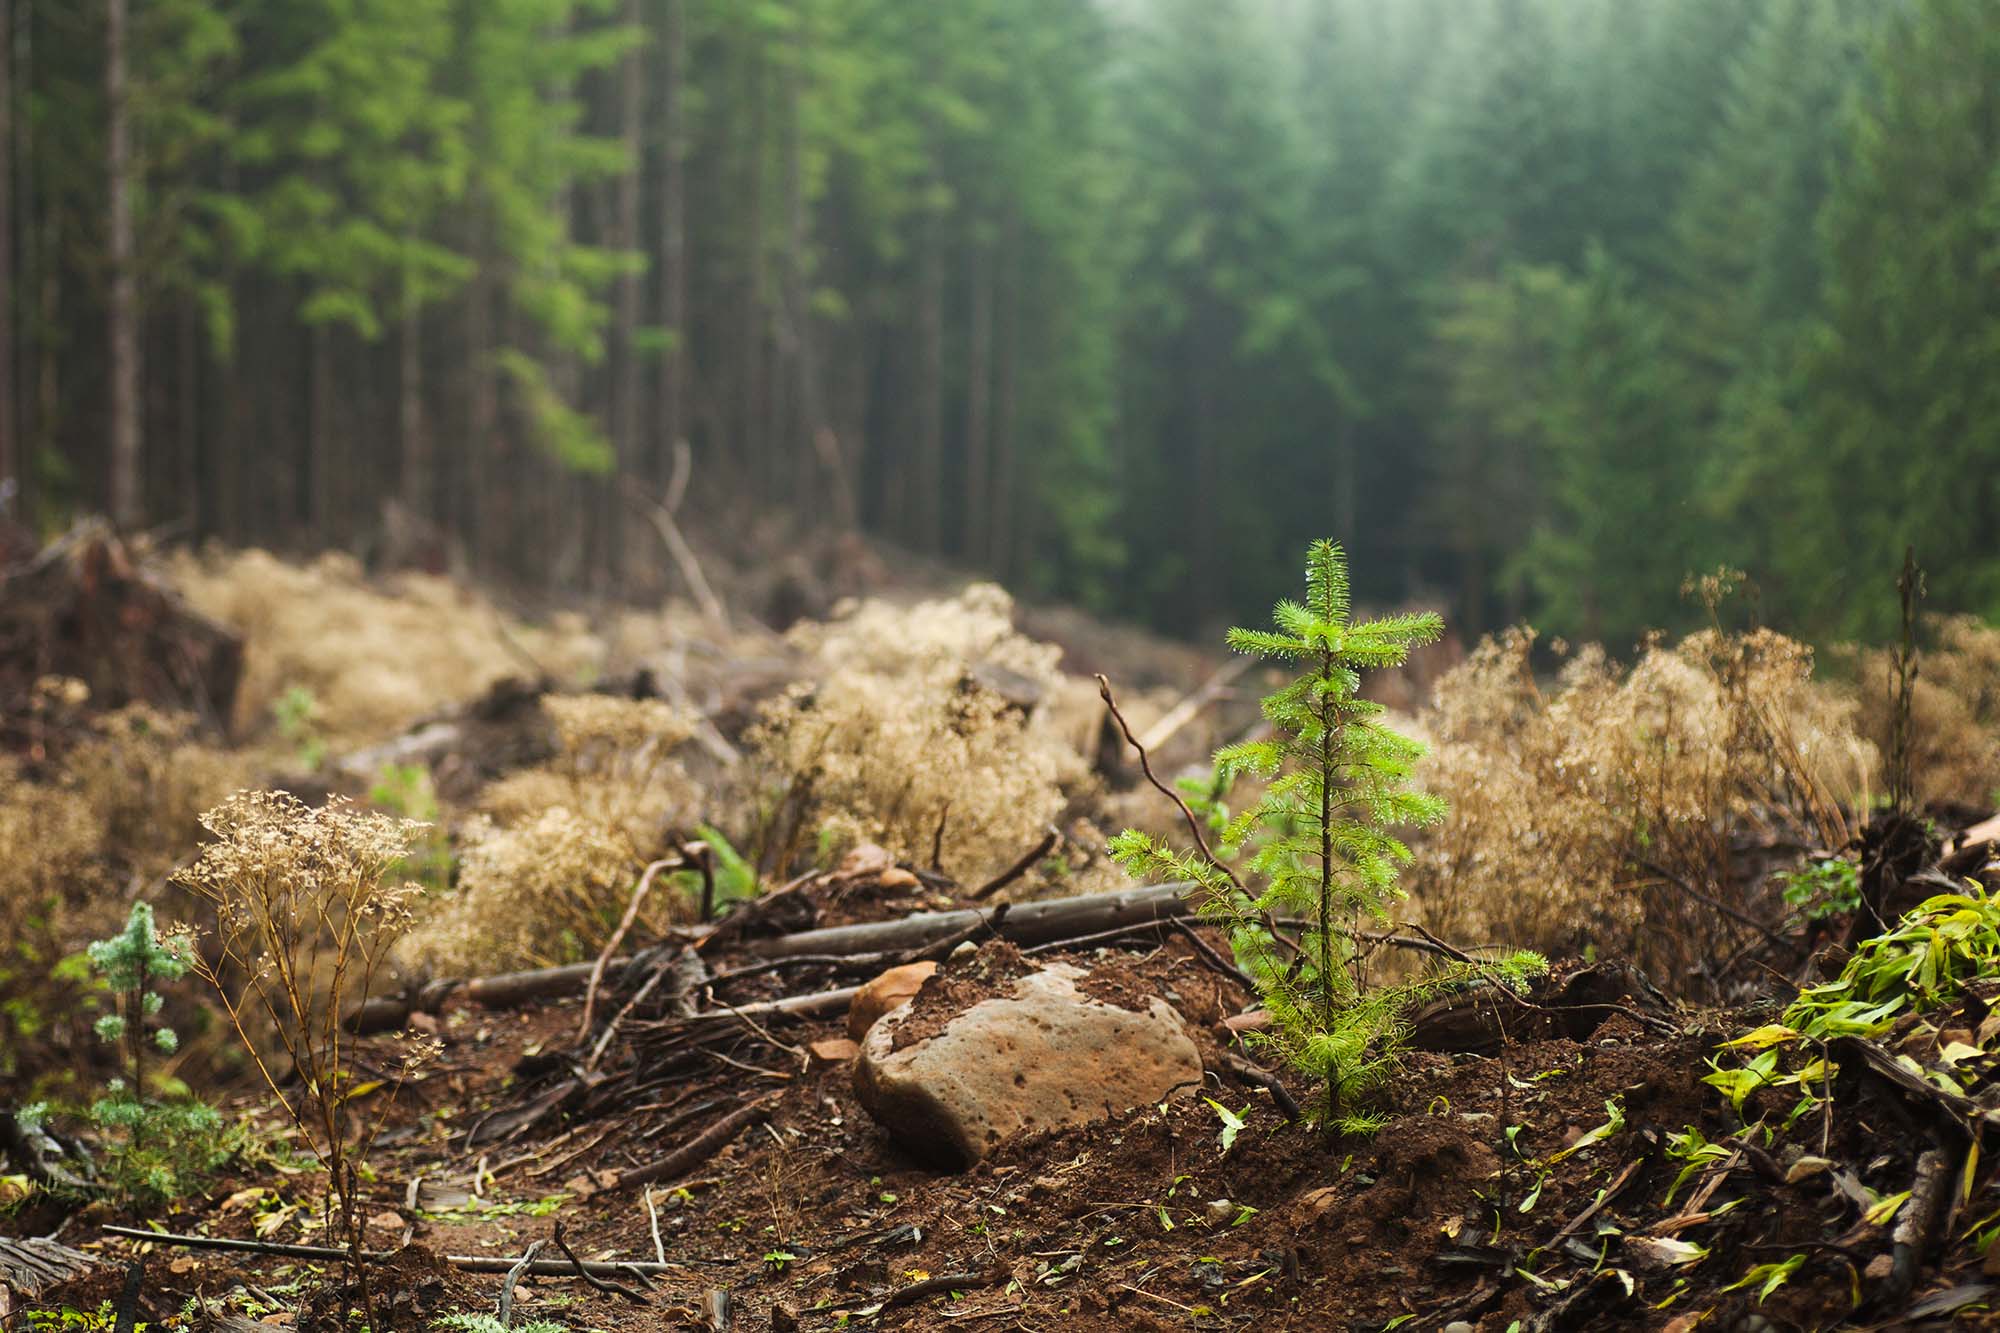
[
  {"x": 147, "y": 777},
  {"x": 1611, "y": 809},
  {"x": 903, "y": 731},
  {"x": 308, "y": 904},
  {"x": 376, "y": 656},
  {"x": 1954, "y": 711},
  {"x": 615, "y": 768},
  {"x": 546, "y": 873},
  {"x": 547, "y": 892}
]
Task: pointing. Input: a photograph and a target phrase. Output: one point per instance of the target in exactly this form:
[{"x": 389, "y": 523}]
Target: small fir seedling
[
  {"x": 167, "y": 1146},
  {"x": 1338, "y": 780}
]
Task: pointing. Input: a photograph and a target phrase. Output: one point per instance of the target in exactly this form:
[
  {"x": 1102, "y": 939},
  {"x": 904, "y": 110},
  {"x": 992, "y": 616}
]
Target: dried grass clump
[
  {"x": 547, "y": 892},
  {"x": 1608, "y": 810},
  {"x": 908, "y": 730},
  {"x": 146, "y": 778},
  {"x": 375, "y": 656},
  {"x": 545, "y": 875},
  {"x": 1954, "y": 712},
  {"x": 615, "y": 768}
]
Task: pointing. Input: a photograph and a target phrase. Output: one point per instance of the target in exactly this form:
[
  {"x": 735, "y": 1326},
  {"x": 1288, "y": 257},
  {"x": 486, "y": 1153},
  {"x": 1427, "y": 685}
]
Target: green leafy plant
[
  {"x": 71, "y": 1320},
  {"x": 406, "y": 790},
  {"x": 1921, "y": 966},
  {"x": 486, "y": 1323},
  {"x": 1337, "y": 780},
  {"x": 1825, "y": 888},
  {"x": 298, "y": 716},
  {"x": 162, "y": 1150}
]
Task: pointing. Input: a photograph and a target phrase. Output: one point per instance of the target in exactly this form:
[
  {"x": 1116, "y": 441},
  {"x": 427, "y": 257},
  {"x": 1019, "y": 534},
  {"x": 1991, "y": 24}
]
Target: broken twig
[{"x": 698, "y": 1149}]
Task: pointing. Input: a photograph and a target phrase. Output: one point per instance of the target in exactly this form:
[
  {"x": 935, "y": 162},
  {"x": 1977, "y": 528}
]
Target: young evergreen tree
[
  {"x": 168, "y": 1147},
  {"x": 1338, "y": 780}
]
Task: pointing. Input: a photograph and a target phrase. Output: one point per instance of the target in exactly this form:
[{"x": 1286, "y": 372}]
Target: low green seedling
[{"x": 161, "y": 1149}]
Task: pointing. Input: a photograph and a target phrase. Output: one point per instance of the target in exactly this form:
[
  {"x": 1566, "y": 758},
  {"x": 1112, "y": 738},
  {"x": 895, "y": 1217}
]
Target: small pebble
[{"x": 1459, "y": 1326}]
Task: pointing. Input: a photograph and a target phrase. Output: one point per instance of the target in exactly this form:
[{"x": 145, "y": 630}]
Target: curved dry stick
[
  {"x": 514, "y": 1276},
  {"x": 1146, "y": 766},
  {"x": 618, "y": 938},
  {"x": 608, "y": 1288}
]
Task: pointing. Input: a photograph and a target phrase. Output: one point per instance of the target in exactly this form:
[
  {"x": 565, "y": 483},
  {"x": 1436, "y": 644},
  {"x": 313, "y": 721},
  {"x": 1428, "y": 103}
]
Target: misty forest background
[{"x": 1538, "y": 304}]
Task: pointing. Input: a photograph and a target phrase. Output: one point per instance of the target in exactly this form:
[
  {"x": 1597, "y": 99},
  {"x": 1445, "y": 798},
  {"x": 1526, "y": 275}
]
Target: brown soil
[{"x": 1144, "y": 1221}]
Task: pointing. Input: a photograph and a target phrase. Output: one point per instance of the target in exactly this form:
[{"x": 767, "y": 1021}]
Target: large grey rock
[{"x": 1045, "y": 1056}]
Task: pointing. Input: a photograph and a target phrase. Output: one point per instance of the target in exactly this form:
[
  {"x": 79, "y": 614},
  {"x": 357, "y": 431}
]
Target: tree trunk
[
  {"x": 417, "y": 461},
  {"x": 750, "y": 386},
  {"x": 127, "y": 501},
  {"x": 671, "y": 408},
  {"x": 625, "y": 334},
  {"x": 1006, "y": 374},
  {"x": 10, "y": 465},
  {"x": 482, "y": 409},
  {"x": 187, "y": 405},
  {"x": 326, "y": 506},
  {"x": 975, "y": 545},
  {"x": 926, "y": 505},
  {"x": 821, "y": 446}
]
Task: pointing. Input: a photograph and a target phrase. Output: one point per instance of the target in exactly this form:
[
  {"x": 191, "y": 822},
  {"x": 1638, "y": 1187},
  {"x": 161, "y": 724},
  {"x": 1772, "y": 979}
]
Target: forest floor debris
[{"x": 1575, "y": 1157}]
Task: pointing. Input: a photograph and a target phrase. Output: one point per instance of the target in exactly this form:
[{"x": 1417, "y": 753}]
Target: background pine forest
[{"x": 1538, "y": 304}]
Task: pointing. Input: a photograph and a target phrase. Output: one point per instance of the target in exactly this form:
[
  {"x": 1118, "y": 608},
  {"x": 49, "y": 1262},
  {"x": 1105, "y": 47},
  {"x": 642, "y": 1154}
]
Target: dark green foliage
[
  {"x": 1336, "y": 781},
  {"x": 1541, "y": 303}
]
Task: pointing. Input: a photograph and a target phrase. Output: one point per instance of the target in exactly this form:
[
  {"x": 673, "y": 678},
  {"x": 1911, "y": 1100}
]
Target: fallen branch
[
  {"x": 698, "y": 1149},
  {"x": 1190, "y": 707},
  {"x": 943, "y": 948},
  {"x": 936, "y": 1286},
  {"x": 1206, "y": 952},
  {"x": 1604, "y": 1196},
  {"x": 506, "y": 1309},
  {"x": 465, "y": 1263},
  {"x": 1056, "y": 920},
  {"x": 617, "y": 938},
  {"x": 683, "y": 555},
  {"x": 1026, "y": 923}
]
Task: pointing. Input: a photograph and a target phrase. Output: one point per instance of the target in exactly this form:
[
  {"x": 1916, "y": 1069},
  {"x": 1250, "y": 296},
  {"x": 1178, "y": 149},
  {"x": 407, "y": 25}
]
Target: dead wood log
[
  {"x": 31, "y": 1266},
  {"x": 1025, "y": 924},
  {"x": 39, "y": 1155},
  {"x": 381, "y": 1012},
  {"x": 1052, "y": 920},
  {"x": 465, "y": 1263}
]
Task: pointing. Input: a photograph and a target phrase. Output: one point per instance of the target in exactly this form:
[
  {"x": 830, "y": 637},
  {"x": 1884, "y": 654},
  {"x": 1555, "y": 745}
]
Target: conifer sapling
[
  {"x": 1338, "y": 779},
  {"x": 167, "y": 1145}
]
